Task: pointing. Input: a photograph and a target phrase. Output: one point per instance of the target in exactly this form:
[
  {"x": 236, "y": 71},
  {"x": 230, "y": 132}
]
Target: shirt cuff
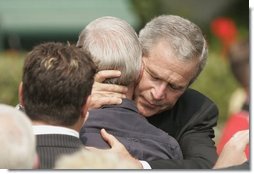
[{"x": 145, "y": 164}]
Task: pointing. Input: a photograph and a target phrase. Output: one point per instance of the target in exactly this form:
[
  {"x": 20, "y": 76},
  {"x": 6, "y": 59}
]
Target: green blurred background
[{"x": 26, "y": 23}]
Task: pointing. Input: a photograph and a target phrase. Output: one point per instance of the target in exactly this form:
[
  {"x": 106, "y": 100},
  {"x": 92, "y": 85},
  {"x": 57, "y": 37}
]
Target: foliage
[
  {"x": 194, "y": 11},
  {"x": 217, "y": 82},
  {"x": 10, "y": 77}
]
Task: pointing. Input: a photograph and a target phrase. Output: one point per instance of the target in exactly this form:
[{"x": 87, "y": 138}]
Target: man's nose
[{"x": 159, "y": 91}]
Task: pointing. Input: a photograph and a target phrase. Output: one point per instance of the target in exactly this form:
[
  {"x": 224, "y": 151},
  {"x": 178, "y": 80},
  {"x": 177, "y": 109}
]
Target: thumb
[
  {"x": 242, "y": 137},
  {"x": 110, "y": 139}
]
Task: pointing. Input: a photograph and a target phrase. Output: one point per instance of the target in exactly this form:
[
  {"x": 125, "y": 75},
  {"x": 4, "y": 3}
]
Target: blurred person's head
[
  {"x": 174, "y": 53},
  {"x": 114, "y": 45},
  {"x": 57, "y": 81},
  {"x": 239, "y": 55},
  {"x": 17, "y": 149},
  {"x": 84, "y": 159}
]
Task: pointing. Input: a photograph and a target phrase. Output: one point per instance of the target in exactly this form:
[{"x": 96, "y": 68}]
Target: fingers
[
  {"x": 233, "y": 152},
  {"x": 109, "y": 88},
  {"x": 105, "y": 94},
  {"x": 118, "y": 148},
  {"x": 98, "y": 100},
  {"x": 105, "y": 74},
  {"x": 110, "y": 139},
  {"x": 240, "y": 139},
  {"x": 243, "y": 134}
]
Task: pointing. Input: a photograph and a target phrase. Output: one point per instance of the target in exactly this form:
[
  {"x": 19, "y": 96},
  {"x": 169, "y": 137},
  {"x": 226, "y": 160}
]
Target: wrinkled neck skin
[{"x": 130, "y": 92}]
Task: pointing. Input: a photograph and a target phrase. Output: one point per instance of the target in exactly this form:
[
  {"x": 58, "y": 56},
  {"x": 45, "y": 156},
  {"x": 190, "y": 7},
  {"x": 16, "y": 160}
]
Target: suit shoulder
[
  {"x": 193, "y": 102},
  {"x": 193, "y": 96}
]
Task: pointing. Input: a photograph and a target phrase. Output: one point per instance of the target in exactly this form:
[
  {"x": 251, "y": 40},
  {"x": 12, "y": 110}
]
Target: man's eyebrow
[
  {"x": 152, "y": 72},
  {"x": 157, "y": 75},
  {"x": 178, "y": 86}
]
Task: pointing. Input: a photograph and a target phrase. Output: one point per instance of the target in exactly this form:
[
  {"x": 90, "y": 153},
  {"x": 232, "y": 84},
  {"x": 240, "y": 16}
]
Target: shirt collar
[{"x": 49, "y": 129}]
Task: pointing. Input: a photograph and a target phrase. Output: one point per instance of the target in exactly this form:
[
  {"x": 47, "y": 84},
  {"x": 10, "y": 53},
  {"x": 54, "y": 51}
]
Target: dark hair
[{"x": 57, "y": 79}]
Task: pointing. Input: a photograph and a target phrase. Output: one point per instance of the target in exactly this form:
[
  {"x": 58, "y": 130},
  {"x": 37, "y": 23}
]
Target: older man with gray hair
[{"x": 18, "y": 145}]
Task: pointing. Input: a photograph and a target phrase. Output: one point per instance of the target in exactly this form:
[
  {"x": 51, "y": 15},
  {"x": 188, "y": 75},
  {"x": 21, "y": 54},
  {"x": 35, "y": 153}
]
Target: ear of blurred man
[
  {"x": 21, "y": 101},
  {"x": 36, "y": 162}
]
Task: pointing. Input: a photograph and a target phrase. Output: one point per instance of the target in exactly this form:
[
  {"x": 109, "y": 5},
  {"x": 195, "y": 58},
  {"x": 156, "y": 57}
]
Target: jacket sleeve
[
  {"x": 243, "y": 166},
  {"x": 196, "y": 141}
]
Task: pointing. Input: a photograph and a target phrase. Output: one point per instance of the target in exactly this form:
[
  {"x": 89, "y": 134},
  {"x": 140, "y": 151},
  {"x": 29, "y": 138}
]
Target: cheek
[
  {"x": 172, "y": 97},
  {"x": 142, "y": 86},
  {"x": 145, "y": 83}
]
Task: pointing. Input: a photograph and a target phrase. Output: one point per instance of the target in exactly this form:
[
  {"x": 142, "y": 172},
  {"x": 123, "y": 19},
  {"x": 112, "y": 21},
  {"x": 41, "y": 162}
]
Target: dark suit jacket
[
  {"x": 51, "y": 146},
  {"x": 143, "y": 140},
  {"x": 243, "y": 166},
  {"x": 191, "y": 122}
]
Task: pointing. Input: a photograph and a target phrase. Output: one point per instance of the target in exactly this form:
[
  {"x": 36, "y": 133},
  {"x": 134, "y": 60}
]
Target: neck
[{"x": 129, "y": 94}]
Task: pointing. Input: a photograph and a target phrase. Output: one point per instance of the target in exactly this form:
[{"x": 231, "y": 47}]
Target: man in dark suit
[
  {"x": 114, "y": 44},
  {"x": 174, "y": 53},
  {"x": 56, "y": 83}
]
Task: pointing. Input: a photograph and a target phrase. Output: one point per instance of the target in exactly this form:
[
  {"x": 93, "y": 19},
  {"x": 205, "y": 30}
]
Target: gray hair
[
  {"x": 185, "y": 38},
  {"x": 85, "y": 159},
  {"x": 114, "y": 45},
  {"x": 18, "y": 146}
]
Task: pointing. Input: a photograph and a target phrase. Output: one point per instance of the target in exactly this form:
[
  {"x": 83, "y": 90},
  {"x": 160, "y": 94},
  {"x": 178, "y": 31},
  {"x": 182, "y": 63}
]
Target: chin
[
  {"x": 144, "y": 111},
  {"x": 147, "y": 113}
]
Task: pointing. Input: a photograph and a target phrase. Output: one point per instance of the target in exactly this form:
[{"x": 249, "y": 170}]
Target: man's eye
[
  {"x": 177, "y": 88},
  {"x": 151, "y": 76},
  {"x": 154, "y": 78}
]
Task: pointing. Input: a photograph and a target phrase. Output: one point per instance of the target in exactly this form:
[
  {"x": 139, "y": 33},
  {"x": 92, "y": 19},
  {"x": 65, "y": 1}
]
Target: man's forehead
[{"x": 166, "y": 74}]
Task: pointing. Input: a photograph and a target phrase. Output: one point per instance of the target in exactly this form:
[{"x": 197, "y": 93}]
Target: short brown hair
[{"x": 57, "y": 79}]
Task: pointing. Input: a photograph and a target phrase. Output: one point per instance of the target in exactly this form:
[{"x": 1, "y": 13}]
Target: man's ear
[
  {"x": 140, "y": 74},
  {"x": 36, "y": 163},
  {"x": 21, "y": 99},
  {"x": 85, "y": 112}
]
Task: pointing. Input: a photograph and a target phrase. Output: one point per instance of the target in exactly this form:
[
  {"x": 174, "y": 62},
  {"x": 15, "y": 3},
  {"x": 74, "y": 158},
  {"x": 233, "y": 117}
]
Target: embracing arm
[
  {"x": 233, "y": 154},
  {"x": 198, "y": 150},
  {"x": 196, "y": 155},
  {"x": 102, "y": 93},
  {"x": 193, "y": 124}
]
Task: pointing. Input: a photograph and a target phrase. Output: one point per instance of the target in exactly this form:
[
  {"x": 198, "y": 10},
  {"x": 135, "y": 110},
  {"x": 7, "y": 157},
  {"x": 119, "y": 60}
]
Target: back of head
[
  {"x": 114, "y": 45},
  {"x": 57, "y": 79},
  {"x": 17, "y": 149},
  {"x": 184, "y": 37},
  {"x": 239, "y": 55},
  {"x": 85, "y": 159}
]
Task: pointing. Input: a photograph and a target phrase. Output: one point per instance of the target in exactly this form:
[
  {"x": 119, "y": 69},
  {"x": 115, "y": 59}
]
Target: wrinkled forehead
[
  {"x": 171, "y": 69},
  {"x": 171, "y": 74}
]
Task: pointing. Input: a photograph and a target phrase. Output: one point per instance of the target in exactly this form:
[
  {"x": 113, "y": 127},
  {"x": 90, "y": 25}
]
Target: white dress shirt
[{"x": 49, "y": 129}]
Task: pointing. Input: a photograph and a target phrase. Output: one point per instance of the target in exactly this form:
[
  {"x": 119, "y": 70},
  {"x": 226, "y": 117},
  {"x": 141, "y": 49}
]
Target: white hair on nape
[{"x": 17, "y": 139}]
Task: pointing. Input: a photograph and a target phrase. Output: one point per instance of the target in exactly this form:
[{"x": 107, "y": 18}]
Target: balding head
[{"x": 17, "y": 139}]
